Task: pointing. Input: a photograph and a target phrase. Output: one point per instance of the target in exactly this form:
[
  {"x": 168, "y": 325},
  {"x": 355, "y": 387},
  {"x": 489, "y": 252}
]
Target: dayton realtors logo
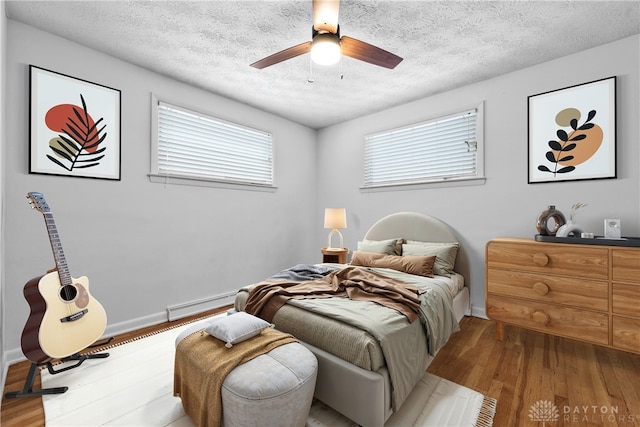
[{"x": 546, "y": 412}]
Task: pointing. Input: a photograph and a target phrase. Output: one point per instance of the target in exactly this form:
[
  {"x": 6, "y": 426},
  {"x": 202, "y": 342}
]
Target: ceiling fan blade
[
  {"x": 368, "y": 53},
  {"x": 325, "y": 15},
  {"x": 283, "y": 55}
]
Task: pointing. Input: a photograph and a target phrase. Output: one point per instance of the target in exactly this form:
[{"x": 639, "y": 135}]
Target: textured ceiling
[{"x": 445, "y": 44}]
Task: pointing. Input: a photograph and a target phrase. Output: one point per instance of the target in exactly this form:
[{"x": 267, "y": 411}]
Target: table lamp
[{"x": 335, "y": 218}]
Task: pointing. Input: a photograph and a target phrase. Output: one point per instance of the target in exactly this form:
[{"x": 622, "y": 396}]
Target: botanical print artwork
[
  {"x": 77, "y": 144},
  {"x": 575, "y": 147},
  {"x": 74, "y": 126},
  {"x": 572, "y": 133}
]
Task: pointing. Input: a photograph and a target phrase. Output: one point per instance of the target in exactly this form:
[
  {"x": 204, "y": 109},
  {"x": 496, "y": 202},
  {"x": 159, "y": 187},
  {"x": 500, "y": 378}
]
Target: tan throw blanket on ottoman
[{"x": 202, "y": 363}]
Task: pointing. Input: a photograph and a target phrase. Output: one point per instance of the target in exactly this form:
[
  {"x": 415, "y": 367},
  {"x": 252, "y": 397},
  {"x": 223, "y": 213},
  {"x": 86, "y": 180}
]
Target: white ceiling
[{"x": 445, "y": 44}]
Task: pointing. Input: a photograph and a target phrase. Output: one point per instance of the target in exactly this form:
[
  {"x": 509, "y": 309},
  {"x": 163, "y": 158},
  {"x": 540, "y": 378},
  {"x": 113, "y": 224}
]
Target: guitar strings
[{"x": 60, "y": 260}]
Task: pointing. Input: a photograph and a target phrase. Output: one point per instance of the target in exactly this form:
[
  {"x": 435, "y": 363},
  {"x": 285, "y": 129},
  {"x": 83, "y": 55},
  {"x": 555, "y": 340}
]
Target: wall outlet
[{"x": 612, "y": 229}]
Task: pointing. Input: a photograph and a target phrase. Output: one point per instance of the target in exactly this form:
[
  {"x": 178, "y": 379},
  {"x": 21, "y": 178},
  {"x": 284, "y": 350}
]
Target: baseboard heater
[{"x": 190, "y": 308}]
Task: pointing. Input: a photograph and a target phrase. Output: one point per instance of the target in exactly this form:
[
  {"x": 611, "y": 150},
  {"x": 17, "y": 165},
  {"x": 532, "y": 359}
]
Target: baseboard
[
  {"x": 478, "y": 311},
  {"x": 5, "y": 369},
  {"x": 15, "y": 355},
  {"x": 131, "y": 325},
  {"x": 190, "y": 308}
]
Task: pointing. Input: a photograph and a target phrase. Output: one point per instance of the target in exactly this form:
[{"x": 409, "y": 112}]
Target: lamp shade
[{"x": 335, "y": 218}]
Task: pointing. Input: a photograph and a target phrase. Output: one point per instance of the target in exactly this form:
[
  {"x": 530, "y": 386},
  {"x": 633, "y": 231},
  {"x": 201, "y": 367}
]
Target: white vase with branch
[{"x": 571, "y": 229}]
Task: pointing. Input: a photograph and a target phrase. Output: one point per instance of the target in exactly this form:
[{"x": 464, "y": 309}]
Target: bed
[{"x": 356, "y": 376}]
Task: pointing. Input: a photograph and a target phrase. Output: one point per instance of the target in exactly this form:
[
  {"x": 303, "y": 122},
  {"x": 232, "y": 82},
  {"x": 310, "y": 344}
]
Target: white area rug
[{"x": 134, "y": 387}]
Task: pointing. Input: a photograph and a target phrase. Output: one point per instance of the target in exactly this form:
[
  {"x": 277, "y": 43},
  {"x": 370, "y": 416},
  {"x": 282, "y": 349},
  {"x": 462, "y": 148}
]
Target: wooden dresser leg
[{"x": 500, "y": 331}]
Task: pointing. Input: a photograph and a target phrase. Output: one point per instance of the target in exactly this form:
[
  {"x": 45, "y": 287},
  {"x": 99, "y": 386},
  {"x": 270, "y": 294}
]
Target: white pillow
[{"x": 237, "y": 327}]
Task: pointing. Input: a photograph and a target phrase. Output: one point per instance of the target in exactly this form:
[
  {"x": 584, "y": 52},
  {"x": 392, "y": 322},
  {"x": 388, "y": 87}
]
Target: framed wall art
[
  {"x": 572, "y": 133},
  {"x": 74, "y": 126}
]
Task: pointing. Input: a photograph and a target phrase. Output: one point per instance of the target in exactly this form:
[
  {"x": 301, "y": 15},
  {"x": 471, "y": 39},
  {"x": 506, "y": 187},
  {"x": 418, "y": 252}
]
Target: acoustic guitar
[{"x": 64, "y": 317}]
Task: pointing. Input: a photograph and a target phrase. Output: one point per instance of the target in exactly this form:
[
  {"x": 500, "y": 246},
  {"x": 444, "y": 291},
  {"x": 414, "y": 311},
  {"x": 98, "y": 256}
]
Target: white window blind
[
  {"x": 197, "y": 146},
  {"x": 438, "y": 150}
]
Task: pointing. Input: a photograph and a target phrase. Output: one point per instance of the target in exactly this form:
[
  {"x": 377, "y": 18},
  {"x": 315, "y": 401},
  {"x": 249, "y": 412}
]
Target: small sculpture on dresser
[
  {"x": 571, "y": 229},
  {"x": 551, "y": 213}
]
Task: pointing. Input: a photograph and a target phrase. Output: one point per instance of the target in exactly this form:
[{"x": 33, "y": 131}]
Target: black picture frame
[
  {"x": 572, "y": 133},
  {"x": 74, "y": 126}
]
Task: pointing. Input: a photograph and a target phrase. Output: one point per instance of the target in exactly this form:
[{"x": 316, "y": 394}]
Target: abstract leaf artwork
[
  {"x": 78, "y": 142},
  {"x": 567, "y": 151},
  {"x": 74, "y": 127},
  {"x": 572, "y": 133}
]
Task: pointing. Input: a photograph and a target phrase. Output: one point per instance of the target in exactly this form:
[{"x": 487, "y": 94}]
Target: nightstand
[{"x": 335, "y": 255}]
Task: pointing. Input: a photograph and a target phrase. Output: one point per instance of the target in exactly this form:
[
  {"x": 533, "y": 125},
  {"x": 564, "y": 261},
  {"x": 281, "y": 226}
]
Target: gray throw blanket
[{"x": 301, "y": 273}]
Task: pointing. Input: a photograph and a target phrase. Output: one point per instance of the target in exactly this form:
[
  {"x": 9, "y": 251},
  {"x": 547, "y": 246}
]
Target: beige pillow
[
  {"x": 389, "y": 247},
  {"x": 445, "y": 254},
  {"x": 418, "y": 265}
]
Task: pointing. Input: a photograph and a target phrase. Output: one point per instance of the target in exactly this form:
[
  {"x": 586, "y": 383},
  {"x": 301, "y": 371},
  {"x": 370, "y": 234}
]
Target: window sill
[
  {"x": 195, "y": 182},
  {"x": 454, "y": 182}
]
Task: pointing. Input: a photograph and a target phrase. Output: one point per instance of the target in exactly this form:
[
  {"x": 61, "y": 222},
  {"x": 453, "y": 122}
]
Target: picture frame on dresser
[{"x": 572, "y": 133}]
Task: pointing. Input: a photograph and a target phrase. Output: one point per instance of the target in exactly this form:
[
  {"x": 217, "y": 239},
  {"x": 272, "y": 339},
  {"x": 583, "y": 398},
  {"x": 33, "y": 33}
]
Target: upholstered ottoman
[{"x": 273, "y": 389}]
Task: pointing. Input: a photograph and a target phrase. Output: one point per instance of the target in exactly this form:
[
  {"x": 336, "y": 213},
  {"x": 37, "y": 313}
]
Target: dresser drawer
[
  {"x": 626, "y": 333},
  {"x": 575, "y": 292},
  {"x": 561, "y": 259},
  {"x": 626, "y": 299},
  {"x": 569, "y": 322},
  {"x": 626, "y": 265}
]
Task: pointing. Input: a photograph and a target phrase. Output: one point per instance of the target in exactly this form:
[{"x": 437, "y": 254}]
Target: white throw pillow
[{"x": 237, "y": 327}]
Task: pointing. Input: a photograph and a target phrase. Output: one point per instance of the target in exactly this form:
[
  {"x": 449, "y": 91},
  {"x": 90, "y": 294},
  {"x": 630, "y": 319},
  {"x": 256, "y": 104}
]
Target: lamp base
[{"x": 329, "y": 246}]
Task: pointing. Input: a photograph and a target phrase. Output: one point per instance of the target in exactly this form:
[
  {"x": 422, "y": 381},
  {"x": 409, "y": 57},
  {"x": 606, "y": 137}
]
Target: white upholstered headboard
[{"x": 417, "y": 226}]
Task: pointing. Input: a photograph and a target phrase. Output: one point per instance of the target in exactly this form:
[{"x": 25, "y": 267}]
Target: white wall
[
  {"x": 3, "y": 50},
  {"x": 146, "y": 246},
  {"x": 506, "y": 205}
]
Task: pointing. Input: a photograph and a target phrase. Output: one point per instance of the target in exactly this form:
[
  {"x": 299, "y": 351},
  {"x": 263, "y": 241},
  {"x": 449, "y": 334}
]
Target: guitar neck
[{"x": 56, "y": 246}]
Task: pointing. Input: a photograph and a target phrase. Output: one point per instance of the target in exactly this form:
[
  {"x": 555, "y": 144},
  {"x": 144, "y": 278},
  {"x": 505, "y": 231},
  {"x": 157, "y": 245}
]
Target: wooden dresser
[{"x": 589, "y": 293}]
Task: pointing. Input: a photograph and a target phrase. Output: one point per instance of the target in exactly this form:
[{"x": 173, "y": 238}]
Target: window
[
  {"x": 440, "y": 150},
  {"x": 193, "y": 146}
]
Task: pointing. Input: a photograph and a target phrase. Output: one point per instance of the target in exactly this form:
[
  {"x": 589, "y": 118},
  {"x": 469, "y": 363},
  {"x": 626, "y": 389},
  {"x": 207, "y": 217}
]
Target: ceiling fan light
[{"x": 325, "y": 49}]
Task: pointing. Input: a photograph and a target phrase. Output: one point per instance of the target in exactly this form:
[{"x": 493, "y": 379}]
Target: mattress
[{"x": 343, "y": 340}]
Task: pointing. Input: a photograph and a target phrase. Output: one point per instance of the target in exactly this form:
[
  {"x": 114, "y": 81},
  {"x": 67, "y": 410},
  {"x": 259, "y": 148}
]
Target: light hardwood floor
[
  {"x": 596, "y": 385},
  {"x": 588, "y": 384}
]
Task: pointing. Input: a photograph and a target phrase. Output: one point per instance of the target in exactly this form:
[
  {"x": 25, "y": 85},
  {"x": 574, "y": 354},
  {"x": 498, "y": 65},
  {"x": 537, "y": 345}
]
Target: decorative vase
[
  {"x": 543, "y": 221},
  {"x": 570, "y": 230}
]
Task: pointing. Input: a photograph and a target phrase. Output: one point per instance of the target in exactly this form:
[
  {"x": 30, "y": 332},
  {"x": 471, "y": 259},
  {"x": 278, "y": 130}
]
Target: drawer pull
[
  {"x": 541, "y": 317},
  {"x": 541, "y": 288},
  {"x": 540, "y": 260}
]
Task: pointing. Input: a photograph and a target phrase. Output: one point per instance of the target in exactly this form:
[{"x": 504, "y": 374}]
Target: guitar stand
[{"x": 28, "y": 390}]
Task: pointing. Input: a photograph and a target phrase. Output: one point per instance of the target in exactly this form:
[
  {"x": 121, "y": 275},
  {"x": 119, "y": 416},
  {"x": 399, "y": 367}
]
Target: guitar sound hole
[{"x": 68, "y": 293}]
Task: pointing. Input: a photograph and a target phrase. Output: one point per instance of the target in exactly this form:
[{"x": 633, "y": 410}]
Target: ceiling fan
[{"x": 327, "y": 46}]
